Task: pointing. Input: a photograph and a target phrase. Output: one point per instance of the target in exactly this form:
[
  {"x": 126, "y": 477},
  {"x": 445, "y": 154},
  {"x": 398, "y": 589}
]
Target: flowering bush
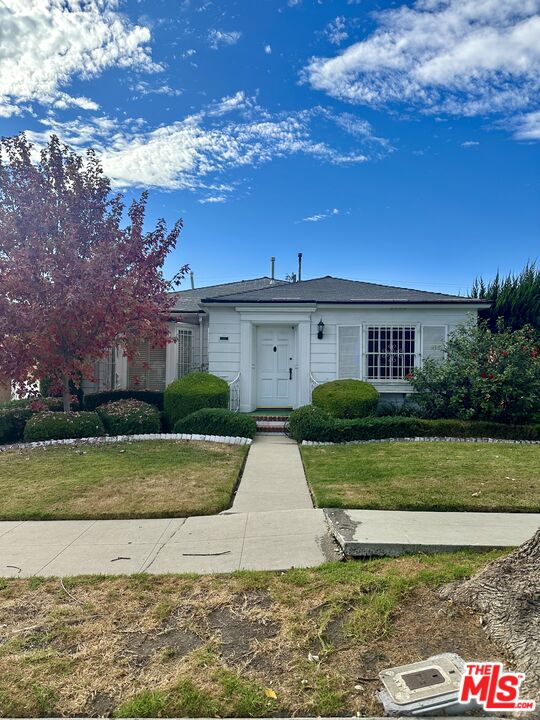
[
  {"x": 484, "y": 376},
  {"x": 63, "y": 425},
  {"x": 129, "y": 417}
]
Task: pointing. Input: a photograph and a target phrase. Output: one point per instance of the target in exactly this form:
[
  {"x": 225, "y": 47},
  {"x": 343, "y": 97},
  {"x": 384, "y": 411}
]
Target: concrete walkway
[
  {"x": 366, "y": 533},
  {"x": 273, "y": 477},
  {"x": 219, "y": 543}
]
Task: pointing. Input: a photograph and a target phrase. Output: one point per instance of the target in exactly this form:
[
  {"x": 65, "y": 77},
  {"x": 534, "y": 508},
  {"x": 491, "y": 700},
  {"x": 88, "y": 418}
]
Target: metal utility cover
[{"x": 430, "y": 678}]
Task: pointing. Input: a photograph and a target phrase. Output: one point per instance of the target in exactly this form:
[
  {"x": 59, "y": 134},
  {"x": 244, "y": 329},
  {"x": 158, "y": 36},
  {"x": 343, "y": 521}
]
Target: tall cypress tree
[{"x": 515, "y": 298}]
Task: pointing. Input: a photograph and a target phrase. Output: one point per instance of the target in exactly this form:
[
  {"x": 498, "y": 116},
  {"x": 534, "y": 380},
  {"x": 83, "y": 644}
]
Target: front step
[
  {"x": 270, "y": 418},
  {"x": 271, "y": 426}
]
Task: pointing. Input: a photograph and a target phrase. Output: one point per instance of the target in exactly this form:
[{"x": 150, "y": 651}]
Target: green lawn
[
  {"x": 302, "y": 643},
  {"x": 127, "y": 480},
  {"x": 425, "y": 476}
]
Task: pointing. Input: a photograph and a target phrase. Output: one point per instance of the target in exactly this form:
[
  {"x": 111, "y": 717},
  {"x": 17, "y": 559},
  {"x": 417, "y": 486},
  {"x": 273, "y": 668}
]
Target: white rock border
[
  {"x": 226, "y": 440},
  {"x": 426, "y": 439}
]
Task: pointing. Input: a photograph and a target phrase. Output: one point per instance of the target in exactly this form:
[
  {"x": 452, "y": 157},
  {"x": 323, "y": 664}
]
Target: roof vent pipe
[
  {"x": 273, "y": 267},
  {"x": 299, "y": 266},
  {"x": 192, "y": 277}
]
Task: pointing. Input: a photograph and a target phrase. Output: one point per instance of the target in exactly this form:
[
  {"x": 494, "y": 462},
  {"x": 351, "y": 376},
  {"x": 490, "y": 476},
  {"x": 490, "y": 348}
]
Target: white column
[
  {"x": 171, "y": 356},
  {"x": 247, "y": 400},
  {"x": 304, "y": 362}
]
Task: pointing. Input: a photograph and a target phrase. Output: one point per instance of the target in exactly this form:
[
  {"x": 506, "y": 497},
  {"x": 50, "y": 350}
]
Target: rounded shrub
[
  {"x": 217, "y": 421},
  {"x": 193, "y": 392},
  {"x": 346, "y": 398},
  {"x": 63, "y": 425},
  {"x": 129, "y": 417},
  {"x": 94, "y": 400}
]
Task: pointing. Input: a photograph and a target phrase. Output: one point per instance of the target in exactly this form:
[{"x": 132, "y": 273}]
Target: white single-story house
[{"x": 275, "y": 340}]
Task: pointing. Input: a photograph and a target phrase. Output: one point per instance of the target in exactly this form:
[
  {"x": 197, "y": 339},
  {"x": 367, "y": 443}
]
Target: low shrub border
[
  {"x": 428, "y": 439},
  {"x": 311, "y": 423},
  {"x": 127, "y": 439},
  {"x": 217, "y": 420}
]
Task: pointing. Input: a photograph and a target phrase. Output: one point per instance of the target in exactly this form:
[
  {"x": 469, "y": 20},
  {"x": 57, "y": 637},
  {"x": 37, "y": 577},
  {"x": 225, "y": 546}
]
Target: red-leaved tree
[{"x": 78, "y": 273}]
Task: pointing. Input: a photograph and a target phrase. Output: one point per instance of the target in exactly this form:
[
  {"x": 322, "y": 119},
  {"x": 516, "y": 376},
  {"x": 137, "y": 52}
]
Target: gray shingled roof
[
  {"x": 329, "y": 289},
  {"x": 189, "y": 300}
]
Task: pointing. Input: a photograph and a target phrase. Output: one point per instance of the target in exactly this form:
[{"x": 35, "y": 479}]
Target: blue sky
[{"x": 391, "y": 142}]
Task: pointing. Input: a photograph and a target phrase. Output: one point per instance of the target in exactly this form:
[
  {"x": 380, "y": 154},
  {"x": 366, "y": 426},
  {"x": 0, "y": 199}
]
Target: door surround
[{"x": 253, "y": 317}]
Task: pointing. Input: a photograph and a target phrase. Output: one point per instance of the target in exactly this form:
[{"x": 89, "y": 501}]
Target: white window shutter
[
  {"x": 156, "y": 371},
  {"x": 349, "y": 351},
  {"x": 433, "y": 339},
  {"x": 147, "y": 369}
]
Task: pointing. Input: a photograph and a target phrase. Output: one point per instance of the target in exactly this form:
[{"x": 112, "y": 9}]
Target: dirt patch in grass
[
  {"x": 176, "y": 646},
  {"x": 120, "y": 480},
  {"x": 425, "y": 476}
]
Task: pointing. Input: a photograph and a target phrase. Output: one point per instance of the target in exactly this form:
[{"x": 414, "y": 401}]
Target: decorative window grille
[
  {"x": 349, "y": 351},
  {"x": 390, "y": 352},
  {"x": 185, "y": 351},
  {"x": 147, "y": 369}
]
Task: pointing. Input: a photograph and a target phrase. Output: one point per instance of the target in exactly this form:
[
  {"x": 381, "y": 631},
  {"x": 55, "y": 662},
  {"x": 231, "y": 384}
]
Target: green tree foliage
[
  {"x": 485, "y": 375},
  {"x": 515, "y": 298}
]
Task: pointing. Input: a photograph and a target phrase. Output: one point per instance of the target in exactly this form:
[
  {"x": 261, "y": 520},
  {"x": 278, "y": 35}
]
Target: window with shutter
[
  {"x": 147, "y": 369},
  {"x": 185, "y": 351},
  {"x": 349, "y": 351},
  {"x": 433, "y": 339}
]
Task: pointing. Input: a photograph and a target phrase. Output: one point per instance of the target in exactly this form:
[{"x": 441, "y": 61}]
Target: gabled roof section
[
  {"x": 189, "y": 300},
  {"x": 331, "y": 290}
]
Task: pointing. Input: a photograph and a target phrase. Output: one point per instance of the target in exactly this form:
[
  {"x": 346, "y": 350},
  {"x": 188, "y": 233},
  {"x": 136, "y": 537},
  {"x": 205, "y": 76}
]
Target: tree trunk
[
  {"x": 66, "y": 394},
  {"x": 507, "y": 595}
]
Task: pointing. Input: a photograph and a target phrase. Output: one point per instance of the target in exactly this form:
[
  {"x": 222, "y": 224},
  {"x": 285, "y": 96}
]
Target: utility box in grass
[{"x": 429, "y": 687}]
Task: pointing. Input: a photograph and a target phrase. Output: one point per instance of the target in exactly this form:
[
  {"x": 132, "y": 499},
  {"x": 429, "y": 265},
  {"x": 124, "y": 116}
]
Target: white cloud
[
  {"x": 321, "y": 216},
  {"x": 336, "y": 31},
  {"x": 217, "y": 38},
  {"x": 197, "y": 152},
  {"x": 268, "y": 49},
  {"x": 470, "y": 143},
  {"x": 213, "y": 199},
  {"x": 528, "y": 126},
  {"x": 46, "y": 43},
  {"x": 146, "y": 88},
  {"x": 456, "y": 56}
]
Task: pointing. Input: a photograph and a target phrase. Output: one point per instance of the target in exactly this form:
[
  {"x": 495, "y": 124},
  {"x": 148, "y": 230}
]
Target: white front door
[{"x": 275, "y": 367}]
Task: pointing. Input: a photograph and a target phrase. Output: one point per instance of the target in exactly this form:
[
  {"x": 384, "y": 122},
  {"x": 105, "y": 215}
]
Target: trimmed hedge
[
  {"x": 12, "y": 423},
  {"x": 94, "y": 400},
  {"x": 310, "y": 423},
  {"x": 63, "y": 425},
  {"x": 14, "y": 415},
  {"x": 130, "y": 417},
  {"x": 217, "y": 421},
  {"x": 346, "y": 398},
  {"x": 193, "y": 392}
]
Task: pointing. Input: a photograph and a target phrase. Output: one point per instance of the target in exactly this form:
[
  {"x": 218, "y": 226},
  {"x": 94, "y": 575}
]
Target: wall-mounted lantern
[{"x": 320, "y": 328}]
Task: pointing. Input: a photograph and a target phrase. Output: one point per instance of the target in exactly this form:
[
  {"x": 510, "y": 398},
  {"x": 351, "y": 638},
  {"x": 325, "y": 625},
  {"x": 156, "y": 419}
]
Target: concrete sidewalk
[
  {"x": 214, "y": 544},
  {"x": 365, "y": 533},
  {"x": 273, "y": 477}
]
